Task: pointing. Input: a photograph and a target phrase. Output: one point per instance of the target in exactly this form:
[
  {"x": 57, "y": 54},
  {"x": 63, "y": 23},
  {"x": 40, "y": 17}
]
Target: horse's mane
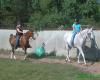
[
  {"x": 84, "y": 31},
  {"x": 27, "y": 32}
]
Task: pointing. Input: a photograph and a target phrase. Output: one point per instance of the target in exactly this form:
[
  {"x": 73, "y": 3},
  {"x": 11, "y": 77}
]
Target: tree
[
  {"x": 46, "y": 13},
  {"x": 89, "y": 8}
]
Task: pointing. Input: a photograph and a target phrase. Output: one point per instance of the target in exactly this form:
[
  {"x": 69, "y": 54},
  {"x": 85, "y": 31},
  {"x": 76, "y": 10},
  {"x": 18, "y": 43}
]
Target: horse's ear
[
  {"x": 31, "y": 30},
  {"x": 91, "y": 28}
]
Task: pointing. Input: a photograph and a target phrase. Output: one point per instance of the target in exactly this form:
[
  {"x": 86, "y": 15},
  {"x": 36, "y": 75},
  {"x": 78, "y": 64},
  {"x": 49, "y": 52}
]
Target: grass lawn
[{"x": 26, "y": 70}]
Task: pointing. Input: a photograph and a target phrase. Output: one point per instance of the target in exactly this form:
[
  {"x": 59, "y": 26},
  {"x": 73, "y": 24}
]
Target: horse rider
[
  {"x": 76, "y": 29},
  {"x": 19, "y": 33}
]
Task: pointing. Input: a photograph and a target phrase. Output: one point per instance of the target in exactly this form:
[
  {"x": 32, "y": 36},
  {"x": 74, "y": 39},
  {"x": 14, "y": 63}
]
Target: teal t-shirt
[{"x": 77, "y": 27}]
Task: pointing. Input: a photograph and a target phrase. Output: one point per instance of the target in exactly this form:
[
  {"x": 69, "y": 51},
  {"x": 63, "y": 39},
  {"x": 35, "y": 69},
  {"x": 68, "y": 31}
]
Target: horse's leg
[
  {"x": 12, "y": 53},
  {"x": 78, "y": 57},
  {"x": 81, "y": 52},
  {"x": 25, "y": 53},
  {"x": 67, "y": 55},
  {"x": 77, "y": 53}
]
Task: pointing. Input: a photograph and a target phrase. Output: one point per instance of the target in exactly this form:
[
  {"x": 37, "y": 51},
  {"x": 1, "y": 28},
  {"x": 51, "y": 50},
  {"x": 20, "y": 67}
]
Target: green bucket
[{"x": 40, "y": 51}]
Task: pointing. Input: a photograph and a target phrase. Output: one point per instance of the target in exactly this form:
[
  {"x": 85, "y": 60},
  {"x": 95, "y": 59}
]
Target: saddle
[
  {"x": 18, "y": 44},
  {"x": 71, "y": 44},
  {"x": 27, "y": 45}
]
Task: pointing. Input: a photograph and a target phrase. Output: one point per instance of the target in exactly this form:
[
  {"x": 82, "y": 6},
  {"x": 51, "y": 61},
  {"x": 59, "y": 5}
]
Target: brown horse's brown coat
[{"x": 23, "y": 42}]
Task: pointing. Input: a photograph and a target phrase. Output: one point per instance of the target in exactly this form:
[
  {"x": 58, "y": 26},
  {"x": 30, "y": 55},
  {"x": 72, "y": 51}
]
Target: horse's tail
[
  {"x": 10, "y": 38},
  {"x": 11, "y": 35}
]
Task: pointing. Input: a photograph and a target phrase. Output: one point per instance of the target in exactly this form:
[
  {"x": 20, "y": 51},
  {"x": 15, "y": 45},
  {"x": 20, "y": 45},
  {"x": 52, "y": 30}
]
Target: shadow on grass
[{"x": 51, "y": 54}]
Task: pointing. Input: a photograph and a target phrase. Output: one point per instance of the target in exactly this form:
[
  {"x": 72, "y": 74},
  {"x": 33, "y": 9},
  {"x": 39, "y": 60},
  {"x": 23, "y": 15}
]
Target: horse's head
[
  {"x": 90, "y": 34},
  {"x": 30, "y": 33}
]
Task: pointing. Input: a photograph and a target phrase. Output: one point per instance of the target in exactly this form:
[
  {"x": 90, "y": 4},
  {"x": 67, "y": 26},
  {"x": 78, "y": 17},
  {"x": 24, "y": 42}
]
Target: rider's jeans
[
  {"x": 17, "y": 39},
  {"x": 72, "y": 38}
]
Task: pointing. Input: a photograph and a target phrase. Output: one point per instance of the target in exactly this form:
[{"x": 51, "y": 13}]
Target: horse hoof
[
  {"x": 67, "y": 61},
  {"x": 14, "y": 57},
  {"x": 24, "y": 58},
  {"x": 85, "y": 63},
  {"x": 79, "y": 62}
]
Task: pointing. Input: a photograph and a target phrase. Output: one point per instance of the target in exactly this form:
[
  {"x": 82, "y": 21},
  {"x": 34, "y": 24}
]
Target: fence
[{"x": 53, "y": 39}]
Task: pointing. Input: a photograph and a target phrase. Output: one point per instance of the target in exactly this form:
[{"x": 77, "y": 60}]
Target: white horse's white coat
[{"x": 79, "y": 42}]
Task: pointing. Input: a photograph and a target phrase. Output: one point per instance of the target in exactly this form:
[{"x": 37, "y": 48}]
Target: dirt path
[{"x": 90, "y": 67}]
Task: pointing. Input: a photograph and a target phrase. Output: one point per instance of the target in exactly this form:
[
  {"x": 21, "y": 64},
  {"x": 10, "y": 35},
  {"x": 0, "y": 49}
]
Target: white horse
[{"x": 79, "y": 42}]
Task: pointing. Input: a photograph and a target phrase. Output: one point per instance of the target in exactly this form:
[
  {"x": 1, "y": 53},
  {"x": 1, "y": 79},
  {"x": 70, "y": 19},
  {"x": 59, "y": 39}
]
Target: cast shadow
[{"x": 92, "y": 53}]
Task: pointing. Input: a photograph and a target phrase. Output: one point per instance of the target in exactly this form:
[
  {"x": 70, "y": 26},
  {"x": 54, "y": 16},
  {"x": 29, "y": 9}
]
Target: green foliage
[
  {"x": 47, "y": 21},
  {"x": 44, "y": 5},
  {"x": 34, "y": 20},
  {"x": 89, "y": 8},
  {"x": 8, "y": 21},
  {"x": 70, "y": 8},
  {"x": 47, "y": 14}
]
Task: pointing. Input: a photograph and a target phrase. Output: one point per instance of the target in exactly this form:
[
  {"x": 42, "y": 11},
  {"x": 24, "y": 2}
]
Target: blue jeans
[
  {"x": 17, "y": 39},
  {"x": 72, "y": 38}
]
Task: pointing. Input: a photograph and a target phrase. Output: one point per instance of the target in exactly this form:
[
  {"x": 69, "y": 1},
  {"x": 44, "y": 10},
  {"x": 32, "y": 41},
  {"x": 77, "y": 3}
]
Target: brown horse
[{"x": 23, "y": 42}]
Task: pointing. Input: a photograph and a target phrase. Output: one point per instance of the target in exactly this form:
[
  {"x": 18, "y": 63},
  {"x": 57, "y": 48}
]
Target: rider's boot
[{"x": 28, "y": 45}]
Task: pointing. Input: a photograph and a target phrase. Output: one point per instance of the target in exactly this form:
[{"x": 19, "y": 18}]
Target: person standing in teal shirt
[{"x": 76, "y": 29}]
